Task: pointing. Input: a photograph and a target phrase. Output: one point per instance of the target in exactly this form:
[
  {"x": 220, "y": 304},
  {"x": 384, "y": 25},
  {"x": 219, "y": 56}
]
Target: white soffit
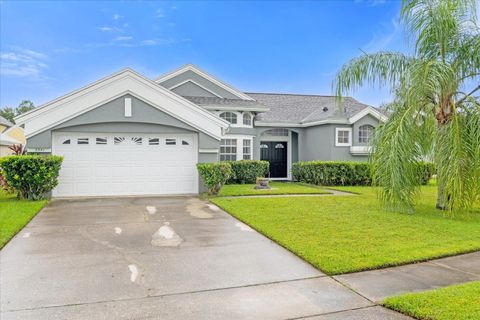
[{"x": 107, "y": 89}]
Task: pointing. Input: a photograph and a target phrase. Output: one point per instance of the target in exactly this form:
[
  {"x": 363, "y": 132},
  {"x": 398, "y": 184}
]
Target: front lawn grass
[
  {"x": 460, "y": 302},
  {"x": 15, "y": 214},
  {"x": 339, "y": 234},
  {"x": 276, "y": 188}
]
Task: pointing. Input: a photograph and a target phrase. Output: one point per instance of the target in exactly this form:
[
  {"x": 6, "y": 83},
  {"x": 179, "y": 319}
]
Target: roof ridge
[{"x": 297, "y": 94}]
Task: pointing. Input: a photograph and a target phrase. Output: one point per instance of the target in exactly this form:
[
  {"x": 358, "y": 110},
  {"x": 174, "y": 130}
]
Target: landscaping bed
[
  {"x": 347, "y": 234},
  {"x": 275, "y": 188},
  {"x": 15, "y": 214},
  {"x": 460, "y": 302}
]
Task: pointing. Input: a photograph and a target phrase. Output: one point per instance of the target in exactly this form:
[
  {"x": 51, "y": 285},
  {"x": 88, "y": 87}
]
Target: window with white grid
[
  {"x": 365, "y": 133},
  {"x": 247, "y": 149},
  {"x": 343, "y": 137},
  {"x": 228, "y": 150}
]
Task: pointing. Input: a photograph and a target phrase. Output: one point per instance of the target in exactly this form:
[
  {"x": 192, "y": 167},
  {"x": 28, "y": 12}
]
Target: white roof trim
[
  {"x": 195, "y": 83},
  {"x": 301, "y": 125},
  {"x": 8, "y": 141},
  {"x": 124, "y": 82},
  {"x": 368, "y": 111},
  {"x": 191, "y": 67}
]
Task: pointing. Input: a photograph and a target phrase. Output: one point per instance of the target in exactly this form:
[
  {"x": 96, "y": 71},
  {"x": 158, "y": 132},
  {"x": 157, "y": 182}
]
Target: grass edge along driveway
[
  {"x": 15, "y": 214},
  {"x": 277, "y": 188},
  {"x": 461, "y": 302},
  {"x": 348, "y": 234}
]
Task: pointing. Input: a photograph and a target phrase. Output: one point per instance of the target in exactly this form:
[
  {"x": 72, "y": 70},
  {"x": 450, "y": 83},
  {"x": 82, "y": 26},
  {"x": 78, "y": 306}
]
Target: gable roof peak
[{"x": 205, "y": 75}]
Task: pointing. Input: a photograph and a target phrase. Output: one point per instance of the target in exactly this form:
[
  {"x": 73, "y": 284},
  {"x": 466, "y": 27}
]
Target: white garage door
[{"x": 101, "y": 164}]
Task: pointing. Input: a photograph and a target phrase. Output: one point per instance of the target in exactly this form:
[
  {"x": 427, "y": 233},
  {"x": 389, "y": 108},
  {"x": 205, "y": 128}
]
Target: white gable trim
[
  {"x": 195, "y": 83},
  {"x": 367, "y": 111},
  {"x": 107, "y": 89},
  {"x": 190, "y": 67}
]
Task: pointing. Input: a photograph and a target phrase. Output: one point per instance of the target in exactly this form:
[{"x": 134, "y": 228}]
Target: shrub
[
  {"x": 214, "y": 175},
  {"x": 32, "y": 176},
  {"x": 350, "y": 173},
  {"x": 426, "y": 172},
  {"x": 332, "y": 172},
  {"x": 247, "y": 171}
]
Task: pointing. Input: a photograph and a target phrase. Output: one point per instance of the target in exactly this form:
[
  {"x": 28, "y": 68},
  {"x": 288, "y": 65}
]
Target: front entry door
[{"x": 276, "y": 154}]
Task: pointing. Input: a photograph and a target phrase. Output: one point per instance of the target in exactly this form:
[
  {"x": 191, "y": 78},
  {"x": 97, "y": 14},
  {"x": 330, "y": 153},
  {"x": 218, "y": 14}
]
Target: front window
[
  {"x": 247, "y": 119},
  {"x": 343, "y": 137},
  {"x": 247, "y": 149},
  {"x": 365, "y": 133},
  {"x": 228, "y": 150},
  {"x": 229, "y": 116}
]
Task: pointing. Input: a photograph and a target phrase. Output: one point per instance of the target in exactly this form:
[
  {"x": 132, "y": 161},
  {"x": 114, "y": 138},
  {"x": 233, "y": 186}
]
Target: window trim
[
  {"x": 368, "y": 138},
  {"x": 250, "y": 147},
  {"x": 343, "y": 144},
  {"x": 232, "y": 113},
  {"x": 240, "y": 118},
  {"x": 250, "y": 115}
]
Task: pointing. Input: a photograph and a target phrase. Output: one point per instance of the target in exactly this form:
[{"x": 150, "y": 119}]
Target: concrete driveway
[{"x": 161, "y": 258}]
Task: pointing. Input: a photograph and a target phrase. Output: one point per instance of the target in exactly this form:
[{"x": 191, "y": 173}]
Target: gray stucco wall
[
  {"x": 190, "y": 89},
  {"x": 194, "y": 91},
  {"x": 111, "y": 118}
]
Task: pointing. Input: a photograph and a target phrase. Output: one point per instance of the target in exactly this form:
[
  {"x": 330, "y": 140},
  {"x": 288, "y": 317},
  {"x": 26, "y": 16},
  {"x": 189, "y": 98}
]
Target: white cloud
[
  {"x": 23, "y": 63},
  {"x": 383, "y": 38},
  {"x": 116, "y": 16},
  {"x": 109, "y": 29},
  {"x": 372, "y": 3},
  {"x": 160, "y": 13},
  {"x": 123, "y": 38}
]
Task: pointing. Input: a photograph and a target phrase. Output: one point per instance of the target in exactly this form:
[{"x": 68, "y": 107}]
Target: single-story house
[
  {"x": 10, "y": 135},
  {"x": 129, "y": 135}
]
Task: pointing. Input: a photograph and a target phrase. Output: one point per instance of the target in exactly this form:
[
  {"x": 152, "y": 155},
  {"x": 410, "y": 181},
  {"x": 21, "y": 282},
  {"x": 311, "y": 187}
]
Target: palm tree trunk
[{"x": 441, "y": 195}]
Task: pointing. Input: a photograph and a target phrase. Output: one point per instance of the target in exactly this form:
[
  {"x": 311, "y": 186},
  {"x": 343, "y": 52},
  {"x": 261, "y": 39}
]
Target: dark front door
[{"x": 276, "y": 154}]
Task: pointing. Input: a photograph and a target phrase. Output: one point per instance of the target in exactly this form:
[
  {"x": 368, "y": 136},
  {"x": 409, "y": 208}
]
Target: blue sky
[{"x": 50, "y": 48}]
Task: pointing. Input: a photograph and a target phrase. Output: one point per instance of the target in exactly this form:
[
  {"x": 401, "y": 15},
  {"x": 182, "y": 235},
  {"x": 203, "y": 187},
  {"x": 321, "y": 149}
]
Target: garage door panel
[{"x": 126, "y": 165}]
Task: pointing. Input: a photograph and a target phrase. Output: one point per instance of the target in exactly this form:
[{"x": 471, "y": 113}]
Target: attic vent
[{"x": 325, "y": 109}]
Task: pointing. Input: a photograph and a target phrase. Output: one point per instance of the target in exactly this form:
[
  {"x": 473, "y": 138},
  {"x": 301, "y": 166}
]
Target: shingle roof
[
  {"x": 222, "y": 103},
  {"x": 5, "y": 122},
  {"x": 299, "y": 108}
]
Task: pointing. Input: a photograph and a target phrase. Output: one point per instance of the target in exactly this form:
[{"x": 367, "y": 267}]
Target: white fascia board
[
  {"x": 190, "y": 67},
  {"x": 301, "y": 125},
  {"x": 127, "y": 82},
  {"x": 367, "y": 111},
  {"x": 235, "y": 108},
  {"x": 8, "y": 141}
]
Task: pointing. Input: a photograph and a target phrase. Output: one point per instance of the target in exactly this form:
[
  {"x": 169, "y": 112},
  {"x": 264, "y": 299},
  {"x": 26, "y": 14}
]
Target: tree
[
  {"x": 8, "y": 113},
  {"x": 23, "y": 107},
  {"x": 436, "y": 108}
]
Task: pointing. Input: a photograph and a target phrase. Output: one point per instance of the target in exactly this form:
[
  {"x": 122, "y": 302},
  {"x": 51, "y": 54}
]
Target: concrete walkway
[
  {"x": 376, "y": 285},
  {"x": 331, "y": 192}
]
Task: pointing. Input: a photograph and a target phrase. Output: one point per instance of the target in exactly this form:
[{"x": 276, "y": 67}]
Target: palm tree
[{"x": 435, "y": 113}]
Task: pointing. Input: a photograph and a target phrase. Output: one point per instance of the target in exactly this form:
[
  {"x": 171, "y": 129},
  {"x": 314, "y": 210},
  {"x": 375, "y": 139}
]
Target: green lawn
[
  {"x": 276, "y": 188},
  {"x": 15, "y": 214},
  {"x": 345, "y": 234},
  {"x": 461, "y": 302}
]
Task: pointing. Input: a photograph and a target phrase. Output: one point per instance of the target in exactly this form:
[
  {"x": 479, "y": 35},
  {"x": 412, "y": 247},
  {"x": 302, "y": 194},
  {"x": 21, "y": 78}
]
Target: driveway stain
[
  {"x": 165, "y": 236},
  {"x": 118, "y": 230},
  {"x": 151, "y": 209},
  {"x": 196, "y": 208}
]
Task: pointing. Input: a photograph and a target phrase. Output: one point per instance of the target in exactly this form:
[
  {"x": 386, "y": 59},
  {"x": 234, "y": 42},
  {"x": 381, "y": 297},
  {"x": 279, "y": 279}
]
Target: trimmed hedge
[
  {"x": 214, "y": 175},
  {"x": 31, "y": 176},
  {"x": 333, "y": 173},
  {"x": 351, "y": 173},
  {"x": 247, "y": 171}
]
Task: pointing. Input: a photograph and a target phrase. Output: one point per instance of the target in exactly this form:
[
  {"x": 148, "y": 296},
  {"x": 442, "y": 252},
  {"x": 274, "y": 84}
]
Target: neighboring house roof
[
  {"x": 5, "y": 122},
  {"x": 210, "y": 103},
  {"x": 123, "y": 82},
  {"x": 305, "y": 110},
  {"x": 6, "y": 140}
]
